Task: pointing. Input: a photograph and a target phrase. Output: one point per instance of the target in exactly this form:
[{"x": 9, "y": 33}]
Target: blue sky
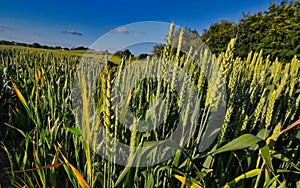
[{"x": 74, "y": 23}]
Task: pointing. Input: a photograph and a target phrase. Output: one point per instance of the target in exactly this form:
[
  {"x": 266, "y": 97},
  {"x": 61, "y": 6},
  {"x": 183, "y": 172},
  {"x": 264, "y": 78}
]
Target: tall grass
[{"x": 252, "y": 150}]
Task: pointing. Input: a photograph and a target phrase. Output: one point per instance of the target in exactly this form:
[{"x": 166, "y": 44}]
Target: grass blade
[
  {"x": 241, "y": 142},
  {"x": 187, "y": 182},
  {"x": 77, "y": 174},
  {"x": 248, "y": 174}
]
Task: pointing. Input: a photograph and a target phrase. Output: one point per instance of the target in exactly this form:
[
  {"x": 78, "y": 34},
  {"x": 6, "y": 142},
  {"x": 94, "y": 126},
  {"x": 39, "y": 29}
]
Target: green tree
[
  {"x": 123, "y": 54},
  {"x": 276, "y": 31},
  {"x": 219, "y": 35},
  {"x": 158, "y": 50}
]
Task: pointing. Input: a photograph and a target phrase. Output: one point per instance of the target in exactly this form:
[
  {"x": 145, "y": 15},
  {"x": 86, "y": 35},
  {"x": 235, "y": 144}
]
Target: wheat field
[{"x": 257, "y": 146}]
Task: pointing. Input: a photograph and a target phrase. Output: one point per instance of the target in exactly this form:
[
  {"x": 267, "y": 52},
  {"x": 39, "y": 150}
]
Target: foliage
[
  {"x": 37, "y": 45},
  {"x": 275, "y": 31},
  {"x": 255, "y": 148},
  {"x": 123, "y": 54}
]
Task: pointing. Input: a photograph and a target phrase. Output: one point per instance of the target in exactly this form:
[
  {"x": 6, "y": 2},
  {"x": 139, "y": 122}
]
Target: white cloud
[
  {"x": 72, "y": 32},
  {"x": 121, "y": 30}
]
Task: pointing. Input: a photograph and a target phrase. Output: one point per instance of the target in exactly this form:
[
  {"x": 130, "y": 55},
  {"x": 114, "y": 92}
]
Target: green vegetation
[
  {"x": 258, "y": 145},
  {"x": 275, "y": 31},
  {"x": 37, "y": 45}
]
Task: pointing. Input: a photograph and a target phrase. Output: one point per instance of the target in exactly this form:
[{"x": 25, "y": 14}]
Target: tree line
[
  {"x": 276, "y": 31},
  {"x": 37, "y": 45}
]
